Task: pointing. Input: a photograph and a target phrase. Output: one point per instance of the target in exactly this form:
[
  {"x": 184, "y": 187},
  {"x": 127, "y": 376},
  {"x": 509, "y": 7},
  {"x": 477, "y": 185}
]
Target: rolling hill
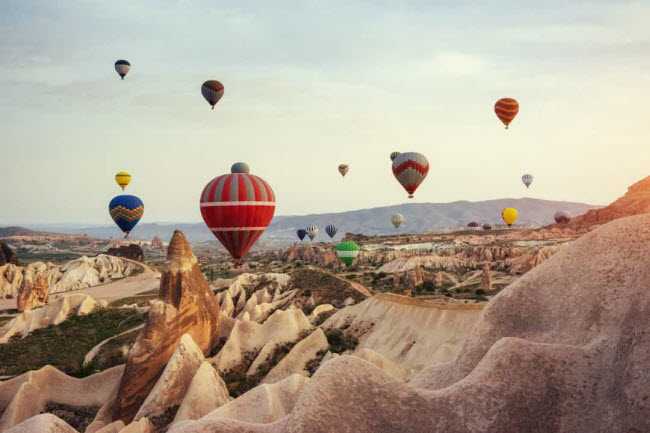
[{"x": 419, "y": 218}]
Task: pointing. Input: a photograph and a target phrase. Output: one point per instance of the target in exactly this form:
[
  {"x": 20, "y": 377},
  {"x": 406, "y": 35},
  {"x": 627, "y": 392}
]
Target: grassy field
[{"x": 65, "y": 345}]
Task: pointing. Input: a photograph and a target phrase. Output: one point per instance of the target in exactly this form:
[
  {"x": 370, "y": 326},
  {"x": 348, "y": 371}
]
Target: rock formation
[
  {"x": 25, "y": 396},
  {"x": 563, "y": 349},
  {"x": 486, "y": 279},
  {"x": 33, "y": 292},
  {"x": 76, "y": 274},
  {"x": 52, "y": 314},
  {"x": 185, "y": 305},
  {"x": 438, "y": 279},
  {"x": 7, "y": 255},
  {"x": 131, "y": 252},
  {"x": 157, "y": 243},
  {"x": 635, "y": 201}
]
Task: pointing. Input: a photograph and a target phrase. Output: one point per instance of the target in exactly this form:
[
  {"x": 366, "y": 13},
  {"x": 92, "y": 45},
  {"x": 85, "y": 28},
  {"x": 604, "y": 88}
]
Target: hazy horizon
[{"x": 311, "y": 85}]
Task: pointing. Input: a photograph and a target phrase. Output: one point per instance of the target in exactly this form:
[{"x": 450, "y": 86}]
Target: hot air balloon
[
  {"x": 397, "y": 219},
  {"x": 410, "y": 169},
  {"x": 562, "y": 217},
  {"x": 394, "y": 155},
  {"x": 237, "y": 208},
  {"x": 506, "y": 109},
  {"x": 331, "y": 230},
  {"x": 212, "y": 91},
  {"x": 122, "y": 67},
  {"x": 509, "y": 216},
  {"x": 473, "y": 224},
  {"x": 527, "y": 179},
  {"x": 123, "y": 179},
  {"x": 312, "y": 231},
  {"x": 343, "y": 169},
  {"x": 301, "y": 233},
  {"x": 487, "y": 226},
  {"x": 126, "y": 211},
  {"x": 347, "y": 252}
]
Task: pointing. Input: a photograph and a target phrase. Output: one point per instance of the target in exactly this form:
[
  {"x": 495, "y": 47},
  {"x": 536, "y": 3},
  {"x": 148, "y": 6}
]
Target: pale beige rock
[
  {"x": 298, "y": 357},
  {"x": 407, "y": 331},
  {"x": 141, "y": 426},
  {"x": 206, "y": 393},
  {"x": 388, "y": 367},
  {"x": 43, "y": 423},
  {"x": 247, "y": 336},
  {"x": 175, "y": 380},
  {"x": 486, "y": 278},
  {"x": 263, "y": 404},
  {"x": 52, "y": 314},
  {"x": 26, "y": 395},
  {"x": 114, "y": 427}
]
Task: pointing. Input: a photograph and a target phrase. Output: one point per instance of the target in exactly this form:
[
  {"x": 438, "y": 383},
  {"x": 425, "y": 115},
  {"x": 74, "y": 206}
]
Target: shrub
[
  {"x": 480, "y": 292},
  {"x": 340, "y": 342}
]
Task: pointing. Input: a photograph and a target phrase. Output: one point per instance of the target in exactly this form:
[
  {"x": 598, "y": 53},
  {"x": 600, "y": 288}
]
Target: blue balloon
[
  {"x": 126, "y": 211},
  {"x": 331, "y": 230},
  {"x": 301, "y": 233}
]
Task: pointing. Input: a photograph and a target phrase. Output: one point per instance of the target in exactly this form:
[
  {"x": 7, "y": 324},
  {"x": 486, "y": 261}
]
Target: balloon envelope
[
  {"x": 347, "y": 252},
  {"x": 394, "y": 155},
  {"x": 410, "y": 169},
  {"x": 473, "y": 224},
  {"x": 122, "y": 67},
  {"x": 312, "y": 231},
  {"x": 527, "y": 179},
  {"x": 331, "y": 230},
  {"x": 123, "y": 179},
  {"x": 212, "y": 91},
  {"x": 343, "y": 169},
  {"x": 509, "y": 215},
  {"x": 506, "y": 109},
  {"x": 301, "y": 233},
  {"x": 237, "y": 208},
  {"x": 126, "y": 211},
  {"x": 397, "y": 219},
  {"x": 487, "y": 226},
  {"x": 562, "y": 217}
]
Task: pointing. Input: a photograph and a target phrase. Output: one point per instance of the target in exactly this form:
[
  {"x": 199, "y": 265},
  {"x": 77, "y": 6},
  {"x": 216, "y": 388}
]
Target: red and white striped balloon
[
  {"x": 410, "y": 169},
  {"x": 237, "y": 208}
]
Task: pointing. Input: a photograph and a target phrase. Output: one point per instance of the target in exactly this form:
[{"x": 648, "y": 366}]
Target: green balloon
[{"x": 347, "y": 252}]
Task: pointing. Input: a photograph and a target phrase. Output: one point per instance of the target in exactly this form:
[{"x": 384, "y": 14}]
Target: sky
[{"x": 310, "y": 85}]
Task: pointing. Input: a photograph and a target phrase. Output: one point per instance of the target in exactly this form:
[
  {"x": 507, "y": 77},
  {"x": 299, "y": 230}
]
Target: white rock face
[
  {"x": 87, "y": 272},
  {"x": 406, "y": 331},
  {"x": 51, "y": 314},
  {"x": 247, "y": 336},
  {"x": 383, "y": 364},
  {"x": 141, "y": 426},
  {"x": 45, "y": 423},
  {"x": 25, "y": 396},
  {"x": 74, "y": 275},
  {"x": 261, "y": 303},
  {"x": 114, "y": 427},
  {"x": 175, "y": 379},
  {"x": 206, "y": 393},
  {"x": 262, "y": 404},
  {"x": 295, "y": 362}
]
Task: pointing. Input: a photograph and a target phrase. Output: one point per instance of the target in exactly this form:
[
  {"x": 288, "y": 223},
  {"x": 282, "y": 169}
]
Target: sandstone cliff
[{"x": 185, "y": 305}]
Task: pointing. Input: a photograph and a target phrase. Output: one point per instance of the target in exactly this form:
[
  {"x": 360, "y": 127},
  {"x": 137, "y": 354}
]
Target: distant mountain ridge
[{"x": 419, "y": 218}]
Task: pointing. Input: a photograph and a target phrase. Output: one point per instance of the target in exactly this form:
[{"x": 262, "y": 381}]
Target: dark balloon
[
  {"x": 473, "y": 224},
  {"x": 487, "y": 226},
  {"x": 126, "y": 211},
  {"x": 212, "y": 91},
  {"x": 562, "y": 217},
  {"x": 331, "y": 230},
  {"x": 301, "y": 233},
  {"x": 122, "y": 67}
]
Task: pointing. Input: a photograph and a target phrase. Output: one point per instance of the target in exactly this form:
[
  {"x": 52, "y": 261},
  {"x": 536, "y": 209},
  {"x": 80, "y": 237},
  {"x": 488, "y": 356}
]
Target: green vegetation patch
[
  {"x": 340, "y": 342},
  {"x": 78, "y": 417},
  {"x": 65, "y": 345}
]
